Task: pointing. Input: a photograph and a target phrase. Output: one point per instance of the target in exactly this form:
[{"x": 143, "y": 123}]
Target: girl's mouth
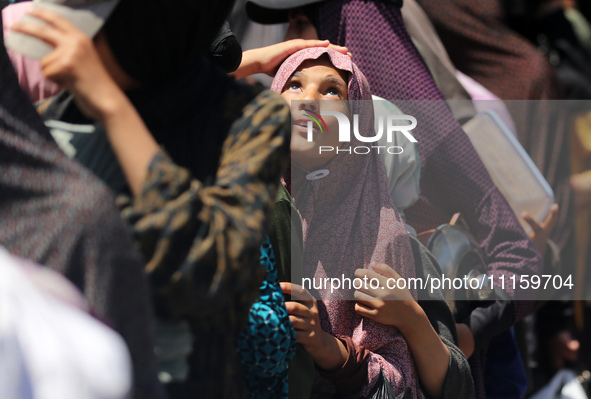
[{"x": 301, "y": 126}]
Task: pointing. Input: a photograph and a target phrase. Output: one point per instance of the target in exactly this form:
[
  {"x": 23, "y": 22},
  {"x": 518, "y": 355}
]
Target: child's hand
[
  {"x": 74, "y": 64},
  {"x": 304, "y": 317},
  {"x": 327, "y": 351},
  {"x": 268, "y": 59},
  {"x": 541, "y": 231},
  {"x": 271, "y": 57},
  {"x": 390, "y": 306}
]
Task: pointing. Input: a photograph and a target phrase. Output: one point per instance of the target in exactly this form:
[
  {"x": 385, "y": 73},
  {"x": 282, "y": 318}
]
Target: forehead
[{"x": 320, "y": 68}]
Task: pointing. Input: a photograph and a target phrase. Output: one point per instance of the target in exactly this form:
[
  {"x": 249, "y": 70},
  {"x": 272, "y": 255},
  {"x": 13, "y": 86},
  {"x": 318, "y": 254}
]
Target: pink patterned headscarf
[{"x": 348, "y": 222}]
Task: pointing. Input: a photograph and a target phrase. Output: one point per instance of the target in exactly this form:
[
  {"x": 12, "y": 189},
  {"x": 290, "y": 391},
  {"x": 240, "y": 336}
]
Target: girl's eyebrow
[
  {"x": 298, "y": 74},
  {"x": 335, "y": 81}
]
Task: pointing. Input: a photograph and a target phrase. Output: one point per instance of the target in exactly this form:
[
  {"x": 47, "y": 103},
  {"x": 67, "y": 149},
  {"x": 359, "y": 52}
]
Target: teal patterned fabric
[{"x": 267, "y": 343}]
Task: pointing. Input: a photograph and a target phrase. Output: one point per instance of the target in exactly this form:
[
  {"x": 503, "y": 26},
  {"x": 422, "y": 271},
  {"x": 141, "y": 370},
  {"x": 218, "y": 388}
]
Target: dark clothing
[
  {"x": 226, "y": 51},
  {"x": 212, "y": 278},
  {"x": 57, "y": 213},
  {"x": 155, "y": 41},
  {"x": 202, "y": 241},
  {"x": 286, "y": 240},
  {"x": 504, "y": 377},
  {"x": 189, "y": 116},
  {"x": 200, "y": 227}
]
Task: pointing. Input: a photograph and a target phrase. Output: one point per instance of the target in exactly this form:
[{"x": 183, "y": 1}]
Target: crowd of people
[{"x": 162, "y": 205}]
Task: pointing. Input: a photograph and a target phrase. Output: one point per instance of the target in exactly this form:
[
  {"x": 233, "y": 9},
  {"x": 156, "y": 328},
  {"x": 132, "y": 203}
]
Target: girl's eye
[
  {"x": 333, "y": 92},
  {"x": 294, "y": 86}
]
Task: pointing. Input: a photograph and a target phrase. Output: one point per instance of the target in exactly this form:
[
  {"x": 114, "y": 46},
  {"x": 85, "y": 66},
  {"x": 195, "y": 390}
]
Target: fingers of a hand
[
  {"x": 368, "y": 301},
  {"x": 371, "y": 283},
  {"x": 59, "y": 65},
  {"x": 291, "y": 46},
  {"x": 50, "y": 58},
  {"x": 54, "y": 72},
  {"x": 298, "y": 309},
  {"x": 550, "y": 221},
  {"x": 300, "y": 323},
  {"x": 305, "y": 336},
  {"x": 46, "y": 33},
  {"x": 52, "y": 18},
  {"x": 300, "y": 44},
  {"x": 361, "y": 273},
  {"x": 372, "y": 304},
  {"x": 366, "y": 311},
  {"x": 294, "y": 307},
  {"x": 297, "y": 292},
  {"x": 363, "y": 296},
  {"x": 385, "y": 270},
  {"x": 340, "y": 49},
  {"x": 51, "y": 63},
  {"x": 317, "y": 43},
  {"x": 533, "y": 224},
  {"x": 286, "y": 288}
]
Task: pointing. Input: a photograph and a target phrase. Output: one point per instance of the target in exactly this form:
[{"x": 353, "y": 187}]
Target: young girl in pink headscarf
[{"x": 350, "y": 225}]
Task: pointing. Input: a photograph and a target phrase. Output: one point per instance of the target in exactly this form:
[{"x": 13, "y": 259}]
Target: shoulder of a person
[{"x": 265, "y": 109}]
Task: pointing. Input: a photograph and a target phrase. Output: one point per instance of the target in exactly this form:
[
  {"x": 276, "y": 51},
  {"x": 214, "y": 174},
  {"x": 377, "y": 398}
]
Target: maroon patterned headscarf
[
  {"x": 348, "y": 222},
  {"x": 453, "y": 178}
]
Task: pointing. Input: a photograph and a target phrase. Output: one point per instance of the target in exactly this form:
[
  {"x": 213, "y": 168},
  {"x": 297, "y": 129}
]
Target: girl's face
[{"x": 317, "y": 86}]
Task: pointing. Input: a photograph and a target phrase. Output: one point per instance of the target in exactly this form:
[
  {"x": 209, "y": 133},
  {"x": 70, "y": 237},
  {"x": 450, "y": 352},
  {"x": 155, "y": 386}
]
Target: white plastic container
[{"x": 510, "y": 167}]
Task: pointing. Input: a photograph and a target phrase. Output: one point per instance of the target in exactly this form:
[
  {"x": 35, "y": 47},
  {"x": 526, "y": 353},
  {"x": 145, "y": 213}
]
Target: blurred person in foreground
[{"x": 195, "y": 159}]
